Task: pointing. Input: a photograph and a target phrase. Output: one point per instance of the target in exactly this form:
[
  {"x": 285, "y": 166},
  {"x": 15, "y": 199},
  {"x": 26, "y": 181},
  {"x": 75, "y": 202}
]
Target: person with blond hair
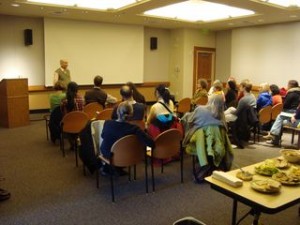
[{"x": 264, "y": 98}]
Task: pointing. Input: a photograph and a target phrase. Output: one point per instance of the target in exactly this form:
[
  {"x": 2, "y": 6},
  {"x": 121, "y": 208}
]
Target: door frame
[{"x": 205, "y": 50}]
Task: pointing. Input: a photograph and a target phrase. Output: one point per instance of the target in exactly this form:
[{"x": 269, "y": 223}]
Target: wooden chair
[
  {"x": 167, "y": 145},
  {"x": 184, "y": 105},
  {"x": 264, "y": 117},
  {"x": 202, "y": 101},
  {"x": 73, "y": 123},
  {"x": 92, "y": 109},
  {"x": 105, "y": 114},
  {"x": 276, "y": 110},
  {"x": 127, "y": 152}
]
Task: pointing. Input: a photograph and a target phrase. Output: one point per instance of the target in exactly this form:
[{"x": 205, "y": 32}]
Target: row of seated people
[{"x": 160, "y": 118}]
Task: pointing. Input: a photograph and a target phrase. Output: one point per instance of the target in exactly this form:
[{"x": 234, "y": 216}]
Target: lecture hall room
[{"x": 173, "y": 43}]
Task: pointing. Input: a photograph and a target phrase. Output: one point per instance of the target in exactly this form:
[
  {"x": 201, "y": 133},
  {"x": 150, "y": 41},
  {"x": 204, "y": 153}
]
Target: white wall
[
  {"x": 16, "y": 59},
  {"x": 266, "y": 53},
  {"x": 192, "y": 38},
  {"x": 114, "y": 51},
  {"x": 223, "y": 55},
  {"x": 156, "y": 62}
]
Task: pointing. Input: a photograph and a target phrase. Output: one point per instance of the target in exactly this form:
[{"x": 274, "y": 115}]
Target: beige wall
[
  {"x": 223, "y": 55},
  {"x": 156, "y": 62},
  {"x": 16, "y": 59}
]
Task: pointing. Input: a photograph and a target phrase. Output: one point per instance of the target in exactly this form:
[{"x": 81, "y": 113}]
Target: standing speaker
[
  {"x": 28, "y": 37},
  {"x": 153, "y": 43}
]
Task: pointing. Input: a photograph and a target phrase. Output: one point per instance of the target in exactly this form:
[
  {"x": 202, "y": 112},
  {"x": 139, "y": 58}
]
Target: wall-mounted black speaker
[
  {"x": 153, "y": 43},
  {"x": 28, "y": 40}
]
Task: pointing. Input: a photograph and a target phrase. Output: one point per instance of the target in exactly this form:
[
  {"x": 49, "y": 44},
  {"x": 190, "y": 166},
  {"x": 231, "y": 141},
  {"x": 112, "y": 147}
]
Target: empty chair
[
  {"x": 167, "y": 145},
  {"x": 276, "y": 110},
  {"x": 72, "y": 124},
  {"x": 92, "y": 109},
  {"x": 105, "y": 114},
  {"x": 127, "y": 151},
  {"x": 184, "y": 105},
  {"x": 264, "y": 117},
  {"x": 202, "y": 101}
]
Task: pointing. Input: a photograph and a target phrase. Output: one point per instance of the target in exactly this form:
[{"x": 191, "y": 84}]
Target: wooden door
[{"x": 204, "y": 65}]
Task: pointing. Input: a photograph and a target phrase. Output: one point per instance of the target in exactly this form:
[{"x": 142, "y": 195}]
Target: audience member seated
[
  {"x": 290, "y": 105},
  {"x": 201, "y": 91},
  {"x": 160, "y": 117},
  {"x": 275, "y": 92},
  {"x": 264, "y": 98},
  {"x": 217, "y": 88},
  {"x": 206, "y": 137},
  {"x": 137, "y": 96},
  {"x": 113, "y": 130},
  {"x": 73, "y": 100},
  {"x": 56, "y": 97},
  {"x": 138, "y": 108},
  {"x": 98, "y": 95},
  {"x": 242, "y": 118},
  {"x": 231, "y": 94}
]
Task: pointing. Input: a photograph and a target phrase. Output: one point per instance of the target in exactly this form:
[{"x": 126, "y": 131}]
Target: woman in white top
[{"x": 161, "y": 113}]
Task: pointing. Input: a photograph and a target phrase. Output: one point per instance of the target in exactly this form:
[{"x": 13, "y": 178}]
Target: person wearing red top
[{"x": 275, "y": 92}]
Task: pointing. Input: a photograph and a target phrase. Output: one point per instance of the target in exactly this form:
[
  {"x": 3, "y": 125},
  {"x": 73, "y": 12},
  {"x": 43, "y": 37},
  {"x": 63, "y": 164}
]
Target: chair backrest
[
  {"x": 264, "y": 115},
  {"x": 140, "y": 123},
  {"x": 96, "y": 130},
  {"x": 184, "y": 105},
  {"x": 202, "y": 101},
  {"x": 92, "y": 109},
  {"x": 276, "y": 110},
  {"x": 167, "y": 144},
  {"x": 128, "y": 151},
  {"x": 74, "y": 122},
  {"x": 105, "y": 114}
]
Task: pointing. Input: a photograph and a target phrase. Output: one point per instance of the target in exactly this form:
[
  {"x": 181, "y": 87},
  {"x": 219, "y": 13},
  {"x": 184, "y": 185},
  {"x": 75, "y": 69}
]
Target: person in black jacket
[{"x": 290, "y": 104}]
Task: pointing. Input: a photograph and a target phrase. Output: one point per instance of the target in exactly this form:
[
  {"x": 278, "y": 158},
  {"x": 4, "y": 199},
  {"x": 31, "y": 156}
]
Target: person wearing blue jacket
[{"x": 264, "y": 98}]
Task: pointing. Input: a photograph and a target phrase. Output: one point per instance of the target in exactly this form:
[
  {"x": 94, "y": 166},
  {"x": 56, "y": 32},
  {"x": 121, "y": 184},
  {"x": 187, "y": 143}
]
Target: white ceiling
[{"x": 265, "y": 14}]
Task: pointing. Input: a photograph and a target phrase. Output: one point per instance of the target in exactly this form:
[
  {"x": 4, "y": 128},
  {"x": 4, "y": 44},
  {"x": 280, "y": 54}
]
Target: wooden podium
[{"x": 14, "y": 103}]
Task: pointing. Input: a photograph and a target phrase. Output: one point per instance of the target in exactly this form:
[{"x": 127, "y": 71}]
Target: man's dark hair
[
  {"x": 126, "y": 91},
  {"x": 98, "y": 81}
]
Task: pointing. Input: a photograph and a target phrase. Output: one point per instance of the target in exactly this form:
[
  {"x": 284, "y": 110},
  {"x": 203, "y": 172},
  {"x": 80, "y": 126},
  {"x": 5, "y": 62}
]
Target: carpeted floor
[{"x": 48, "y": 189}]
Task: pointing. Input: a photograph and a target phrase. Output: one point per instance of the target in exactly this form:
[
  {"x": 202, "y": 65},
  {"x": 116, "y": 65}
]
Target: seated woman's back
[{"x": 73, "y": 101}]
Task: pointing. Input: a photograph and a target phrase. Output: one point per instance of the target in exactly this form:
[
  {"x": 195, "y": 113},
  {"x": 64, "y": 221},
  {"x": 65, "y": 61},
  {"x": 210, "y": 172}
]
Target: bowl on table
[{"x": 291, "y": 155}]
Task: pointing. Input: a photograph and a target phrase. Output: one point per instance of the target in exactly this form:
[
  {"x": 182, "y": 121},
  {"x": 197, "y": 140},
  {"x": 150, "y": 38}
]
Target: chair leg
[
  {"x": 162, "y": 166},
  {"x": 181, "y": 163},
  {"x": 293, "y": 135},
  {"x": 146, "y": 172},
  {"x": 152, "y": 175},
  {"x": 47, "y": 132},
  {"x": 97, "y": 178},
  {"x": 112, "y": 183},
  {"x": 134, "y": 172},
  {"x": 129, "y": 173},
  {"x": 62, "y": 144},
  {"x": 76, "y": 152}
]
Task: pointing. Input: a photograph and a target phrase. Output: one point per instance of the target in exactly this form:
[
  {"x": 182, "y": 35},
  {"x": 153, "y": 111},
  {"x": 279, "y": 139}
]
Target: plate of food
[
  {"x": 266, "y": 186},
  {"x": 244, "y": 175},
  {"x": 266, "y": 169},
  {"x": 281, "y": 163},
  {"x": 286, "y": 178}
]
